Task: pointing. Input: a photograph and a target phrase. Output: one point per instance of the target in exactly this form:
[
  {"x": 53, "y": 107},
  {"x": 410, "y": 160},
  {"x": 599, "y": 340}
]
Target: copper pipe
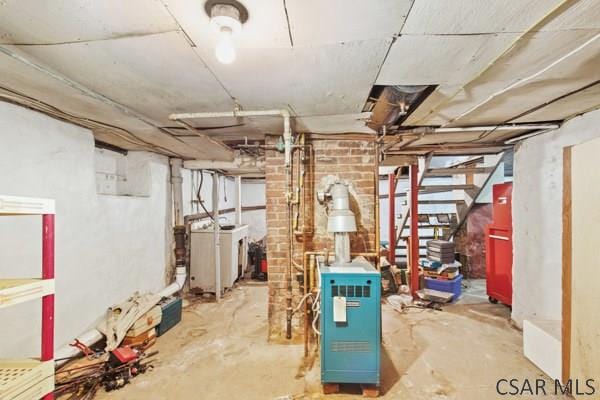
[
  {"x": 312, "y": 282},
  {"x": 311, "y": 267},
  {"x": 309, "y": 284},
  {"x": 303, "y": 232},
  {"x": 291, "y": 230},
  {"x": 306, "y": 288},
  {"x": 365, "y": 254}
]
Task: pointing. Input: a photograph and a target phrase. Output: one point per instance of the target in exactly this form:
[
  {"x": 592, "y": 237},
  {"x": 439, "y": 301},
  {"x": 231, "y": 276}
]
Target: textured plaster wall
[
  {"x": 107, "y": 246},
  {"x": 537, "y": 218}
]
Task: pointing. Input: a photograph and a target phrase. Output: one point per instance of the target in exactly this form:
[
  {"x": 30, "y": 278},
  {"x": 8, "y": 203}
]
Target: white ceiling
[
  {"x": 151, "y": 58},
  {"x": 59, "y": 21},
  {"x": 474, "y": 17},
  {"x": 550, "y": 34},
  {"x": 442, "y": 59},
  {"x": 318, "y": 22}
]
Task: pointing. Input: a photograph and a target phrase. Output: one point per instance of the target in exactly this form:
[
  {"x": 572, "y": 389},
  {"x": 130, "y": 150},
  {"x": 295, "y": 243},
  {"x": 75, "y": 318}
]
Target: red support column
[
  {"x": 392, "y": 218},
  {"x": 414, "y": 229},
  {"x": 48, "y": 301}
]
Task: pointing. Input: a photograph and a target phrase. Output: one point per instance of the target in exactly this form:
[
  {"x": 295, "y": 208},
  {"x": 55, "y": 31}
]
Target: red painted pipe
[
  {"x": 48, "y": 301},
  {"x": 414, "y": 230},
  {"x": 392, "y": 218}
]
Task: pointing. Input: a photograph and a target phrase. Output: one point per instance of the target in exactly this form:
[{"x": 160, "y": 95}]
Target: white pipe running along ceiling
[{"x": 317, "y": 59}]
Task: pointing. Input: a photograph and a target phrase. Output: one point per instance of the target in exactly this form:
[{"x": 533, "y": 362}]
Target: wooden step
[
  {"x": 435, "y": 214},
  {"x": 442, "y": 189},
  {"x": 436, "y": 202},
  {"x": 429, "y": 226},
  {"x": 469, "y": 163},
  {"x": 446, "y": 188},
  {"x": 403, "y": 246},
  {"x": 458, "y": 171},
  {"x": 421, "y": 237}
]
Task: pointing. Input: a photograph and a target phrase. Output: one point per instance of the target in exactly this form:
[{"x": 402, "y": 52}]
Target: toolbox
[
  {"x": 171, "y": 314},
  {"x": 143, "y": 340},
  {"x": 441, "y": 251},
  {"x": 453, "y": 286},
  {"x": 145, "y": 322}
]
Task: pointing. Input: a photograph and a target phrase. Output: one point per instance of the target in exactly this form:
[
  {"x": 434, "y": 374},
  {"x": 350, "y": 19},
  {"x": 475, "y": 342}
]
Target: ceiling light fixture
[{"x": 226, "y": 18}]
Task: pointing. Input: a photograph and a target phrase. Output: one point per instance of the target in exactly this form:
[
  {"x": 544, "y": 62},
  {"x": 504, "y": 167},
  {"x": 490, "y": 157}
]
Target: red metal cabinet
[
  {"x": 502, "y": 205},
  {"x": 499, "y": 246}
]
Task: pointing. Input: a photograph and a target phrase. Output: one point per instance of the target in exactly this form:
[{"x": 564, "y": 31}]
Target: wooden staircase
[{"x": 446, "y": 197}]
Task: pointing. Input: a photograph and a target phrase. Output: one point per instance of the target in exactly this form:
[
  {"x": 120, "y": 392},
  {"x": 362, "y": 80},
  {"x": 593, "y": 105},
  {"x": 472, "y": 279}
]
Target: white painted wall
[
  {"x": 253, "y": 194},
  {"x": 537, "y": 218},
  {"x": 118, "y": 174},
  {"x": 227, "y": 193},
  {"x": 107, "y": 246}
]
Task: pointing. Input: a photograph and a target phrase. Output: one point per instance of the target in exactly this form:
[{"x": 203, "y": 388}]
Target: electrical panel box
[{"x": 350, "y": 323}]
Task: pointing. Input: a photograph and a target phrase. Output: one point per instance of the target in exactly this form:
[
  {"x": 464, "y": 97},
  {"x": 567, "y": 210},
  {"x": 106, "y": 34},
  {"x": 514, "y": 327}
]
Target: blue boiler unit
[{"x": 350, "y": 323}]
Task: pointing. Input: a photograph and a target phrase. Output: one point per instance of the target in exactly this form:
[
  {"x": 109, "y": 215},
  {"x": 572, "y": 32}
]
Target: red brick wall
[{"x": 352, "y": 162}]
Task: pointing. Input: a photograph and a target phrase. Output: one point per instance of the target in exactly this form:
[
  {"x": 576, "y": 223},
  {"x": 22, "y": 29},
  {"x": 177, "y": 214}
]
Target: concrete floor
[{"x": 220, "y": 351}]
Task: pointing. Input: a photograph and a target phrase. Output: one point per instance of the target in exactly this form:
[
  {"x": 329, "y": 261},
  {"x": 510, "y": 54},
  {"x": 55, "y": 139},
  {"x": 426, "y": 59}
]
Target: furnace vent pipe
[{"x": 341, "y": 220}]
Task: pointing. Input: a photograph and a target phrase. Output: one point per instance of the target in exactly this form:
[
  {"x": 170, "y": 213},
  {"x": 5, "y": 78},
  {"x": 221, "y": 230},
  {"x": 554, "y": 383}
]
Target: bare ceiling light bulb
[
  {"x": 224, "y": 50},
  {"x": 226, "y": 18}
]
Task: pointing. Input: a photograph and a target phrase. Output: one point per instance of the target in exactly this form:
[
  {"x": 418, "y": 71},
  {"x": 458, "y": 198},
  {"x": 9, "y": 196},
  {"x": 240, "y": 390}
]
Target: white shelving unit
[
  {"x": 15, "y": 291},
  {"x": 26, "y": 379}
]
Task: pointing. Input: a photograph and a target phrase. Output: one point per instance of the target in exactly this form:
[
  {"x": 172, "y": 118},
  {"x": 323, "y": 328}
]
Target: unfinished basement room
[{"x": 299, "y": 199}]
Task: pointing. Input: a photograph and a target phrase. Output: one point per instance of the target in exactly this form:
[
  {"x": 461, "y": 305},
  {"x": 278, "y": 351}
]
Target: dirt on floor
[{"x": 220, "y": 351}]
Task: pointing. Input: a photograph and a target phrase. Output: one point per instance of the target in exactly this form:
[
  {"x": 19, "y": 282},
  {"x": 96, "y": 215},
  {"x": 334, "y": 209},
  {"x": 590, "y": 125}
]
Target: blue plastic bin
[{"x": 453, "y": 286}]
